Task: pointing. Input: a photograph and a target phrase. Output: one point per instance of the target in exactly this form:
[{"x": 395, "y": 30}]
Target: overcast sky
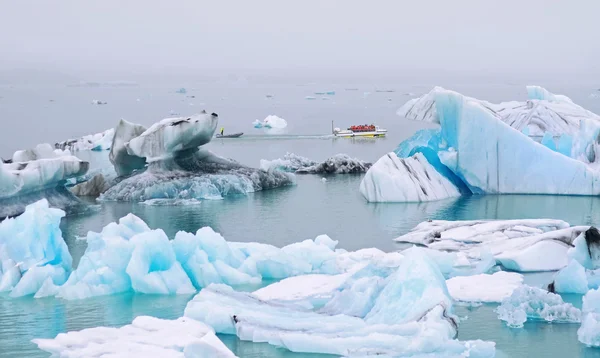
[{"x": 513, "y": 36}]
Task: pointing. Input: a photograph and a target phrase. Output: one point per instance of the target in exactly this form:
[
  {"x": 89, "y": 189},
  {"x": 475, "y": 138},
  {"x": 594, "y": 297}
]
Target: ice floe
[
  {"x": 519, "y": 245},
  {"x": 144, "y": 337},
  {"x": 411, "y": 314},
  {"x": 413, "y": 179},
  {"x": 337, "y": 164},
  {"x": 37, "y": 173},
  {"x": 531, "y": 303}
]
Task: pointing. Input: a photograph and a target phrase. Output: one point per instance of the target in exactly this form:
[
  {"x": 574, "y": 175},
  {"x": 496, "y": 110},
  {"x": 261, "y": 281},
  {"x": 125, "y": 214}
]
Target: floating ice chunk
[
  {"x": 32, "y": 250},
  {"x": 586, "y": 249},
  {"x": 405, "y": 180},
  {"x": 289, "y": 163},
  {"x": 338, "y": 164},
  {"x": 93, "y": 187},
  {"x": 589, "y": 332},
  {"x": 98, "y": 102},
  {"x": 97, "y": 142},
  {"x": 310, "y": 97},
  {"x": 124, "y": 162},
  {"x": 271, "y": 121},
  {"x": 545, "y": 255},
  {"x": 181, "y": 91},
  {"x": 484, "y": 287},
  {"x": 145, "y": 336},
  {"x": 534, "y": 303},
  {"x": 171, "y": 202},
  {"x": 173, "y": 135}
]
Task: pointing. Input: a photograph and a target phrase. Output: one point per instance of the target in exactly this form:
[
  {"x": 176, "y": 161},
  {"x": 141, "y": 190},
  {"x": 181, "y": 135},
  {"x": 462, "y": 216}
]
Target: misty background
[{"x": 233, "y": 53}]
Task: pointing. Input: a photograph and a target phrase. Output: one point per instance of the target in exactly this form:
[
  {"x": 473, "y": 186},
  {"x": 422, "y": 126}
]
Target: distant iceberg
[
  {"x": 337, "y": 164},
  {"x": 271, "y": 121},
  {"x": 485, "y": 148},
  {"x": 98, "y": 102},
  {"x": 589, "y": 332},
  {"x": 38, "y": 173}
]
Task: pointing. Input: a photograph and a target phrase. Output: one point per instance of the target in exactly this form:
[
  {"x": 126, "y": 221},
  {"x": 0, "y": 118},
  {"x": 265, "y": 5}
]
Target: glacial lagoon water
[{"x": 280, "y": 216}]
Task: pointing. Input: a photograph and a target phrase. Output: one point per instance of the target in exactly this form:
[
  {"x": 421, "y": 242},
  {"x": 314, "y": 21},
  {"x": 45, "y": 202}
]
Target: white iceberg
[
  {"x": 589, "y": 332},
  {"x": 38, "y": 173},
  {"x": 484, "y": 287},
  {"x": 410, "y": 315},
  {"x": 32, "y": 251},
  {"x": 271, "y": 121},
  {"x": 337, "y": 164},
  {"x": 413, "y": 179},
  {"x": 519, "y": 245},
  {"x": 96, "y": 142},
  {"x": 144, "y": 337},
  {"x": 536, "y": 304},
  {"x": 173, "y": 135}
]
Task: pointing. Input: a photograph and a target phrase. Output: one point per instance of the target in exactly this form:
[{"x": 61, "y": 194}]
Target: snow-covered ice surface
[
  {"x": 412, "y": 179},
  {"x": 32, "y": 251},
  {"x": 144, "y": 337},
  {"x": 531, "y": 303},
  {"x": 520, "y": 245},
  {"x": 487, "y": 148},
  {"x": 37, "y": 173},
  {"x": 99, "y": 141},
  {"x": 337, "y": 164},
  {"x": 271, "y": 121},
  {"x": 410, "y": 314},
  {"x": 484, "y": 287}
]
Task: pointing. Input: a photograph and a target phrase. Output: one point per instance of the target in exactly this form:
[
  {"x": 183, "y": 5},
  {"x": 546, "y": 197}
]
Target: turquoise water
[{"x": 277, "y": 217}]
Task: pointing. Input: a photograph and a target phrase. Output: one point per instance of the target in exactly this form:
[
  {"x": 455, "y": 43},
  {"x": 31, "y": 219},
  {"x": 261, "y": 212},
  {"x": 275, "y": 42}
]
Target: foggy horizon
[{"x": 398, "y": 39}]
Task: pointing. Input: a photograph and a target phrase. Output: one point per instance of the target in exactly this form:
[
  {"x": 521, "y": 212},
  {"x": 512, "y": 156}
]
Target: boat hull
[
  {"x": 373, "y": 134},
  {"x": 233, "y": 135}
]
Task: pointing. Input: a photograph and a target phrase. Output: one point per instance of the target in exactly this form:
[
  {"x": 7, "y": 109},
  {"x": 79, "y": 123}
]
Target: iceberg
[
  {"x": 168, "y": 161},
  {"x": 32, "y": 251},
  {"x": 96, "y": 142},
  {"x": 589, "y": 332},
  {"x": 413, "y": 179},
  {"x": 484, "y": 287},
  {"x": 490, "y": 149},
  {"x": 410, "y": 315},
  {"x": 522, "y": 245},
  {"x": 533, "y": 303},
  {"x": 337, "y": 164},
  {"x": 38, "y": 173},
  {"x": 271, "y": 121},
  {"x": 145, "y": 336}
]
